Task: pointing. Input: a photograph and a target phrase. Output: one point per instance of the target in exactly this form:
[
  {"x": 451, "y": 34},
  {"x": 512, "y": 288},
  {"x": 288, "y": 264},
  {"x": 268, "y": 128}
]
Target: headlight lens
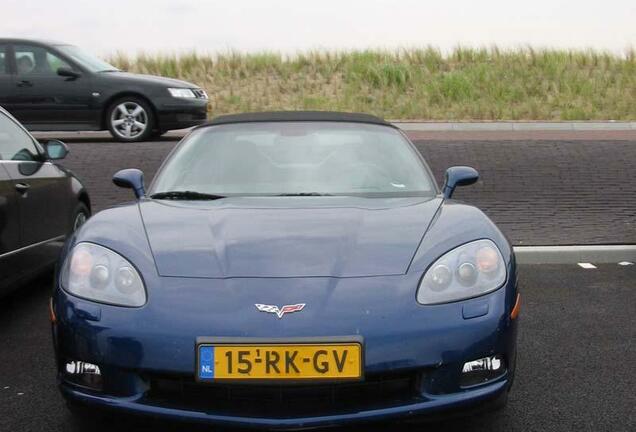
[
  {"x": 181, "y": 92},
  {"x": 467, "y": 271},
  {"x": 96, "y": 273}
]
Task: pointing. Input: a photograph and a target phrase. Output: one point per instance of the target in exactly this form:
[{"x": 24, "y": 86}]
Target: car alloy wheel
[
  {"x": 129, "y": 120},
  {"x": 80, "y": 219}
]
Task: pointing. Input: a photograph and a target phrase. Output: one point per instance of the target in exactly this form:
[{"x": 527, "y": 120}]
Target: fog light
[
  {"x": 482, "y": 370},
  {"x": 84, "y": 374}
]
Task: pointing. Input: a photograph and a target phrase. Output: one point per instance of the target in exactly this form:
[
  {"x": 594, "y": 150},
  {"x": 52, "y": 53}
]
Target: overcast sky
[{"x": 106, "y": 26}]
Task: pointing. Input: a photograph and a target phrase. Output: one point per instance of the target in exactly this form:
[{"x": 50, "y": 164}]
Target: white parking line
[
  {"x": 625, "y": 263},
  {"x": 587, "y": 265}
]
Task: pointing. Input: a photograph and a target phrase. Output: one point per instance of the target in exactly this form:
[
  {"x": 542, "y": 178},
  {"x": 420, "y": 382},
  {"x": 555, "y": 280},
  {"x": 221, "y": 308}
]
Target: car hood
[
  {"x": 149, "y": 79},
  {"x": 286, "y": 237}
]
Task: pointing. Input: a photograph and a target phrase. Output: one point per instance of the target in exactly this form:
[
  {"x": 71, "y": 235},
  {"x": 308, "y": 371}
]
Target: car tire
[
  {"x": 91, "y": 418},
  {"x": 130, "y": 119},
  {"x": 80, "y": 216},
  {"x": 84, "y": 417},
  {"x": 500, "y": 402}
]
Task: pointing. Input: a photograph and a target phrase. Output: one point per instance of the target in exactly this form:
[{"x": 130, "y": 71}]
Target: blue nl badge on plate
[{"x": 206, "y": 362}]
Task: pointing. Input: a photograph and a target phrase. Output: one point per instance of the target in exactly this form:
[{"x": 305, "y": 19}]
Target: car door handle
[
  {"x": 25, "y": 83},
  {"x": 22, "y": 187}
]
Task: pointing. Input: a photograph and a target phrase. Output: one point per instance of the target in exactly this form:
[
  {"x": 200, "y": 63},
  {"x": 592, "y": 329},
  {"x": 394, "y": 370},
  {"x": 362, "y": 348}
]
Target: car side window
[
  {"x": 15, "y": 144},
  {"x": 4, "y": 63},
  {"x": 36, "y": 60}
]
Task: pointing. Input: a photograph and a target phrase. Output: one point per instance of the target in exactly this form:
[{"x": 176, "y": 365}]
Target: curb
[
  {"x": 516, "y": 126},
  {"x": 598, "y": 254},
  {"x": 426, "y": 126}
]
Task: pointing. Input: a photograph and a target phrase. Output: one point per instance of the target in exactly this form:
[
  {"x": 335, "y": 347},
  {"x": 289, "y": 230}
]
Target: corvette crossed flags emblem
[{"x": 279, "y": 312}]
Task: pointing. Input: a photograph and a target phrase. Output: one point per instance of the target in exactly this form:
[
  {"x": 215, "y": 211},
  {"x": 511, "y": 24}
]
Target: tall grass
[{"x": 465, "y": 84}]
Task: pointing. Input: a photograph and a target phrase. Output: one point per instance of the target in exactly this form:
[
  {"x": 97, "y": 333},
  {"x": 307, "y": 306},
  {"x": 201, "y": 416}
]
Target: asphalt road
[
  {"x": 539, "y": 192},
  {"x": 577, "y": 348}
]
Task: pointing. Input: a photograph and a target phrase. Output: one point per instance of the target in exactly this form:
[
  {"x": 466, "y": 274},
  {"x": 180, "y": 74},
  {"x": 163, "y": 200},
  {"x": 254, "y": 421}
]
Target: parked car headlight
[
  {"x": 181, "y": 93},
  {"x": 470, "y": 270},
  {"x": 96, "y": 273}
]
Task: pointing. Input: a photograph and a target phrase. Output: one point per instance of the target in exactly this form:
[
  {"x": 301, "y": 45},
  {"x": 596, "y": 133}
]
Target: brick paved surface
[
  {"x": 96, "y": 162},
  {"x": 539, "y": 193},
  {"x": 548, "y": 192}
]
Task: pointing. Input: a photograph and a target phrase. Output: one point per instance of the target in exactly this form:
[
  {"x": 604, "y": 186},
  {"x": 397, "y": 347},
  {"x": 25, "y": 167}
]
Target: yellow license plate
[{"x": 279, "y": 362}]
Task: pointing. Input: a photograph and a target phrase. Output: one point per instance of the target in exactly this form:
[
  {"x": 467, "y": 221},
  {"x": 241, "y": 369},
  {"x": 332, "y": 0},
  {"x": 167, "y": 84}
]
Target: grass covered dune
[{"x": 465, "y": 84}]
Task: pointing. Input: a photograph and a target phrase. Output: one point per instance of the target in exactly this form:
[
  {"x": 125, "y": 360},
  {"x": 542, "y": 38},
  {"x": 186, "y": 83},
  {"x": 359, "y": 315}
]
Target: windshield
[
  {"x": 295, "y": 158},
  {"x": 89, "y": 61}
]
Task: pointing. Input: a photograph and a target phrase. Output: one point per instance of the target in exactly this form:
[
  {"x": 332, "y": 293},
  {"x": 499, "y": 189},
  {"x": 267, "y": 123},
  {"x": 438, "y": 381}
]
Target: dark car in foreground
[
  {"x": 288, "y": 270},
  {"x": 51, "y": 86},
  {"x": 40, "y": 204}
]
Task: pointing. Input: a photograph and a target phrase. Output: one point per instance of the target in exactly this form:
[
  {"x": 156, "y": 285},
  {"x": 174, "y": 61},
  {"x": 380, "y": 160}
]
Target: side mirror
[
  {"x": 55, "y": 149},
  {"x": 132, "y": 179},
  {"x": 458, "y": 176},
  {"x": 68, "y": 72}
]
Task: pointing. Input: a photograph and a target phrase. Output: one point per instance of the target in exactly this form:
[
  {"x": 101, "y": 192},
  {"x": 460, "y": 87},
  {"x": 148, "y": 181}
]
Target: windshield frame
[{"x": 394, "y": 194}]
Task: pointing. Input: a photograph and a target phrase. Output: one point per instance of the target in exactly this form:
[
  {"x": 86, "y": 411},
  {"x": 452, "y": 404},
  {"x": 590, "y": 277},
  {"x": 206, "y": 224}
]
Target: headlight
[
  {"x": 96, "y": 273},
  {"x": 181, "y": 92},
  {"x": 467, "y": 271}
]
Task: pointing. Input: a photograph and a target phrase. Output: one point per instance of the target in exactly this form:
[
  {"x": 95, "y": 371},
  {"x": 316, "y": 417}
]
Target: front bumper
[
  {"x": 435, "y": 406},
  {"x": 147, "y": 355},
  {"x": 174, "y": 113}
]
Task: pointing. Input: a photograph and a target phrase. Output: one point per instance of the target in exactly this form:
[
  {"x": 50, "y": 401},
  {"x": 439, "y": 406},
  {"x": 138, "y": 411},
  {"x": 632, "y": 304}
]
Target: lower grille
[{"x": 285, "y": 401}]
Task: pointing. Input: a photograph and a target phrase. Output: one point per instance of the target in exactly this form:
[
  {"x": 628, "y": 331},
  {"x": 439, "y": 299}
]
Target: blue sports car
[{"x": 288, "y": 270}]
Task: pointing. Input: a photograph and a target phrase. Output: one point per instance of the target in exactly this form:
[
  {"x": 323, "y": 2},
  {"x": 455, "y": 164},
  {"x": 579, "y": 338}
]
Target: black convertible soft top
[{"x": 291, "y": 116}]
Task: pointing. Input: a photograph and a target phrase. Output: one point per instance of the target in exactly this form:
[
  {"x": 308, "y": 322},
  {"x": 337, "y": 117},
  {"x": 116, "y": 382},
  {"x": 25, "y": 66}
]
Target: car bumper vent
[{"x": 284, "y": 401}]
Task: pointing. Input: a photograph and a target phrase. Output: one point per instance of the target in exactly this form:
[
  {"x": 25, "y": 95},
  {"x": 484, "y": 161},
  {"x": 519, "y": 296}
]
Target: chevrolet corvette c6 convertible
[{"x": 288, "y": 270}]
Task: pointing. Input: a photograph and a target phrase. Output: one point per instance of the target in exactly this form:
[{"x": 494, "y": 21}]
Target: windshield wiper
[
  {"x": 302, "y": 194},
  {"x": 185, "y": 195}
]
